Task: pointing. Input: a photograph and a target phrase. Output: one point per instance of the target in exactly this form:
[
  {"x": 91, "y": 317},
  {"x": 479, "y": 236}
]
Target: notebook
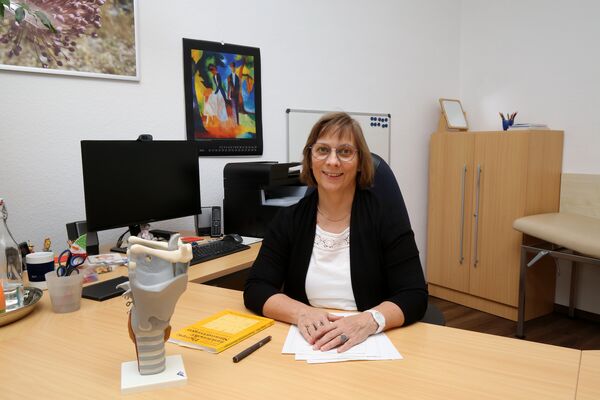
[{"x": 220, "y": 331}]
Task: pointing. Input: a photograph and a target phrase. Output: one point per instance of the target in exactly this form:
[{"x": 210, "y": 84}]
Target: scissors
[{"x": 66, "y": 268}]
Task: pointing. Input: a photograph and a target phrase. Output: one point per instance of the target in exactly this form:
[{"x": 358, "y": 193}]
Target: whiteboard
[{"x": 376, "y": 128}]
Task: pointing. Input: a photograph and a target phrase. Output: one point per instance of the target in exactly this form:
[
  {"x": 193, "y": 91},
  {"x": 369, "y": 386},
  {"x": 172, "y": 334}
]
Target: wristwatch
[{"x": 379, "y": 319}]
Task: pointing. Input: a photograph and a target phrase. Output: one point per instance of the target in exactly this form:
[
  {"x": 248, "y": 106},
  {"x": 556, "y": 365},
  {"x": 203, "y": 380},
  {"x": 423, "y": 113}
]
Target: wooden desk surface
[
  {"x": 198, "y": 273},
  {"x": 78, "y": 355},
  {"x": 588, "y": 387},
  {"x": 209, "y": 270}
]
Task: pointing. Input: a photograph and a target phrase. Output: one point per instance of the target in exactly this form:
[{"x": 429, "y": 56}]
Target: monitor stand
[
  {"x": 118, "y": 250},
  {"x": 134, "y": 230}
]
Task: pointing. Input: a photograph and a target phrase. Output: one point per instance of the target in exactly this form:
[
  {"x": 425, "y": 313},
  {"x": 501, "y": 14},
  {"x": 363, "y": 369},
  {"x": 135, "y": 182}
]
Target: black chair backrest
[{"x": 386, "y": 188}]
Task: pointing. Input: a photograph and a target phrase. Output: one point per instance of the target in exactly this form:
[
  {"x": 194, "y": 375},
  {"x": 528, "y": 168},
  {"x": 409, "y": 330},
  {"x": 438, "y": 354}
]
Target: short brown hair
[{"x": 339, "y": 124}]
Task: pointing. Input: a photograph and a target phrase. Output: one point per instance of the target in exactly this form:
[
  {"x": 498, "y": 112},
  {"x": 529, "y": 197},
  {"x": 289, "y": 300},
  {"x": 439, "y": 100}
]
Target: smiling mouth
[{"x": 333, "y": 175}]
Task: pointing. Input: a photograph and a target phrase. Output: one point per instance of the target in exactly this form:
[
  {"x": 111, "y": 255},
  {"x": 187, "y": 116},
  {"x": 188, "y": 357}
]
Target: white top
[{"x": 328, "y": 283}]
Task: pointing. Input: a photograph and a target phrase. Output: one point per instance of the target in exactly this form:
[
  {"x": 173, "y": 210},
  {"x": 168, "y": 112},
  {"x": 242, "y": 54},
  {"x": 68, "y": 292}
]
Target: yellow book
[{"x": 220, "y": 331}]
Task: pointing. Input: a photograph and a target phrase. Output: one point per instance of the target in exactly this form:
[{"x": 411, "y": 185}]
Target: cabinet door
[
  {"x": 448, "y": 234},
  {"x": 499, "y": 197}
]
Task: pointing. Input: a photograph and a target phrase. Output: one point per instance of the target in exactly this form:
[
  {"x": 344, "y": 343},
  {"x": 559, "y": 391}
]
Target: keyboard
[{"x": 215, "y": 249}]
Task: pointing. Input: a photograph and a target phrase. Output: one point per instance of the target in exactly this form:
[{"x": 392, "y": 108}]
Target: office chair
[{"x": 386, "y": 188}]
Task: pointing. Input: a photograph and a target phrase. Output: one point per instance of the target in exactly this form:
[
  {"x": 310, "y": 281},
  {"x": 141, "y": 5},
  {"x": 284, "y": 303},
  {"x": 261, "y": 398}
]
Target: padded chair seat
[{"x": 573, "y": 231}]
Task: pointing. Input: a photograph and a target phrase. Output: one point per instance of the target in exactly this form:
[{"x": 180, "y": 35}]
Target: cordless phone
[{"x": 215, "y": 223}]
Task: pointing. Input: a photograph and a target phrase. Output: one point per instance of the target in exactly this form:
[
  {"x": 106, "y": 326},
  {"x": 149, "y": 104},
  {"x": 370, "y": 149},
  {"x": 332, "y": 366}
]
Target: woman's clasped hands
[{"x": 326, "y": 331}]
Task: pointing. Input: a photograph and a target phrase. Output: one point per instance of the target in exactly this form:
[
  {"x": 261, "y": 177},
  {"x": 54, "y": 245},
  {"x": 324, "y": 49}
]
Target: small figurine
[
  {"x": 157, "y": 278},
  {"x": 47, "y": 244},
  {"x": 31, "y": 246},
  {"x": 145, "y": 232}
]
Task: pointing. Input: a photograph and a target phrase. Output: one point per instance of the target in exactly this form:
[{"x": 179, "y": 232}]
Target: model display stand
[
  {"x": 132, "y": 382},
  {"x": 157, "y": 278}
]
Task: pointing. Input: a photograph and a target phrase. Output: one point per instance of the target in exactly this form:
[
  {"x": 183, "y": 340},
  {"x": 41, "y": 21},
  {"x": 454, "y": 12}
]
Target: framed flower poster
[{"x": 95, "y": 38}]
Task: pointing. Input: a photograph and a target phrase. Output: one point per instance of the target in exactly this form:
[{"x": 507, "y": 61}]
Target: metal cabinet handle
[
  {"x": 476, "y": 215},
  {"x": 462, "y": 214}
]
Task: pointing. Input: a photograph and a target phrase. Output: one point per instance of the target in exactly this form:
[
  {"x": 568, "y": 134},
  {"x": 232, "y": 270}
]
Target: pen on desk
[{"x": 239, "y": 357}]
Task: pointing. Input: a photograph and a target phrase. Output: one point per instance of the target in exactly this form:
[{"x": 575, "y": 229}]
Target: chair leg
[
  {"x": 522, "y": 284},
  {"x": 573, "y": 289}
]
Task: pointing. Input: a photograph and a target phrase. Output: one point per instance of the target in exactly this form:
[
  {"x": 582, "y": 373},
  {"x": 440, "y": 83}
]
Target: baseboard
[{"x": 581, "y": 314}]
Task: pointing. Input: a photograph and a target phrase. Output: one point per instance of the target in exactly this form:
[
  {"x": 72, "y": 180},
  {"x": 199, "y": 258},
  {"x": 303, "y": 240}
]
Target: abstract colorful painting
[
  {"x": 94, "y": 38},
  {"x": 222, "y": 94}
]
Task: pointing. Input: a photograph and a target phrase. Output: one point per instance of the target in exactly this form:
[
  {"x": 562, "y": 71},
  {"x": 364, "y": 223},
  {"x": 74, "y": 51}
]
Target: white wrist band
[{"x": 379, "y": 319}]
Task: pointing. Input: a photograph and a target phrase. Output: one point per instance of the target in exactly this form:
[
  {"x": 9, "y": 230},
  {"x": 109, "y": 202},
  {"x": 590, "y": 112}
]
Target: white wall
[
  {"x": 542, "y": 59},
  {"x": 387, "y": 56},
  {"x": 537, "y": 57}
]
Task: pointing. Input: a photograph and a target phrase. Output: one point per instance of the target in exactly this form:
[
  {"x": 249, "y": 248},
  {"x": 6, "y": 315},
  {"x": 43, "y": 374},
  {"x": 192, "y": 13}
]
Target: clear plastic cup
[{"x": 65, "y": 291}]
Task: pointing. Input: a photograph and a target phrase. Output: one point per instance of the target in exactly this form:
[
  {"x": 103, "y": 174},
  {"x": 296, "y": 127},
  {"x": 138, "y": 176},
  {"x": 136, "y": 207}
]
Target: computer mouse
[{"x": 234, "y": 237}]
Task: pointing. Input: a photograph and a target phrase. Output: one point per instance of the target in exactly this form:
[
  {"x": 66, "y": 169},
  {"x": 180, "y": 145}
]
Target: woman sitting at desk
[{"x": 338, "y": 248}]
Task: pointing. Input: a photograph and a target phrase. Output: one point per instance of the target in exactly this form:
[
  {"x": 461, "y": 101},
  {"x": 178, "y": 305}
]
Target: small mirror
[{"x": 454, "y": 114}]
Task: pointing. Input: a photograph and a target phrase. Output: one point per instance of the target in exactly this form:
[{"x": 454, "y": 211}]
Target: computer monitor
[{"x": 129, "y": 183}]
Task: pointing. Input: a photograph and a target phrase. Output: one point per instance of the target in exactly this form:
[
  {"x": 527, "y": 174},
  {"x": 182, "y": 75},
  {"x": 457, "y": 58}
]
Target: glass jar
[{"x": 11, "y": 267}]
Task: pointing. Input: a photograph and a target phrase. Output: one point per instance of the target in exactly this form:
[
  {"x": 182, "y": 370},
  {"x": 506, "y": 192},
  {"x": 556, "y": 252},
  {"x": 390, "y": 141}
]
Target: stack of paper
[
  {"x": 528, "y": 125},
  {"x": 376, "y": 347}
]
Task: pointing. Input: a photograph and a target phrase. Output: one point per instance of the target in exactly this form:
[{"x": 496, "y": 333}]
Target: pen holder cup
[
  {"x": 65, "y": 291},
  {"x": 507, "y": 123}
]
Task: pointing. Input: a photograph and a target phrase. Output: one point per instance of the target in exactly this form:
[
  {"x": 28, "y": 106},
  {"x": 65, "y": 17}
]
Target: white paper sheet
[
  {"x": 376, "y": 347},
  {"x": 248, "y": 240}
]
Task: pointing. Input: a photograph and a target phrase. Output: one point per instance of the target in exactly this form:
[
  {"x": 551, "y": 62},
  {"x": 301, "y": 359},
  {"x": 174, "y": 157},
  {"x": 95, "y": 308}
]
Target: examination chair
[{"x": 571, "y": 235}]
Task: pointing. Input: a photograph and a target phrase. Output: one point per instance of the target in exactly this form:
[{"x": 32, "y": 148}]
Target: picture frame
[
  {"x": 222, "y": 87},
  {"x": 82, "y": 38},
  {"x": 454, "y": 115}
]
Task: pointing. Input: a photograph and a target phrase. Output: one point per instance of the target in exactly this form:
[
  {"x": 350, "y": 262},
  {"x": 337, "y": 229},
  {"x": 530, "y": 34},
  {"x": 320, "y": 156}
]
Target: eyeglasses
[{"x": 344, "y": 153}]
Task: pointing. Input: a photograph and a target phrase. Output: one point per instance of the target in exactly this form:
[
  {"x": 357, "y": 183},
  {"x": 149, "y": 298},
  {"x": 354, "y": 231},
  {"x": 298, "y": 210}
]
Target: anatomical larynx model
[{"x": 157, "y": 278}]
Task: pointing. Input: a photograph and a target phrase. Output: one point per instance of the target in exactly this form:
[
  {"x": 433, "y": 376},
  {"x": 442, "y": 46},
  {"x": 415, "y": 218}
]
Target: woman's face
[{"x": 332, "y": 174}]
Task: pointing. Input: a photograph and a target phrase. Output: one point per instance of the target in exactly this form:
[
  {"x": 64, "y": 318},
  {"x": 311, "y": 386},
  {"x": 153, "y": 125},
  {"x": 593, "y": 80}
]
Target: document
[
  {"x": 376, "y": 347},
  {"x": 248, "y": 240}
]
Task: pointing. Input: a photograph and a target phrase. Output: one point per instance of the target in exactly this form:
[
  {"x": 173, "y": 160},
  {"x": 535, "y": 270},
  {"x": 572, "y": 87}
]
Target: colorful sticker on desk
[{"x": 108, "y": 259}]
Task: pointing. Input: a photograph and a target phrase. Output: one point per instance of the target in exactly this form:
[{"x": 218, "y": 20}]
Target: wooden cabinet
[{"x": 479, "y": 183}]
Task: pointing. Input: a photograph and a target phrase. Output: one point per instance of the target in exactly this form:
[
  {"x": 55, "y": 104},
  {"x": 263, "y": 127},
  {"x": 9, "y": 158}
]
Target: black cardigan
[{"x": 384, "y": 260}]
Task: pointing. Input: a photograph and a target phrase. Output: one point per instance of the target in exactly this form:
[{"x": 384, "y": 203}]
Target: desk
[
  {"x": 440, "y": 362},
  {"x": 588, "y": 387},
  {"x": 209, "y": 270},
  {"x": 198, "y": 273}
]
